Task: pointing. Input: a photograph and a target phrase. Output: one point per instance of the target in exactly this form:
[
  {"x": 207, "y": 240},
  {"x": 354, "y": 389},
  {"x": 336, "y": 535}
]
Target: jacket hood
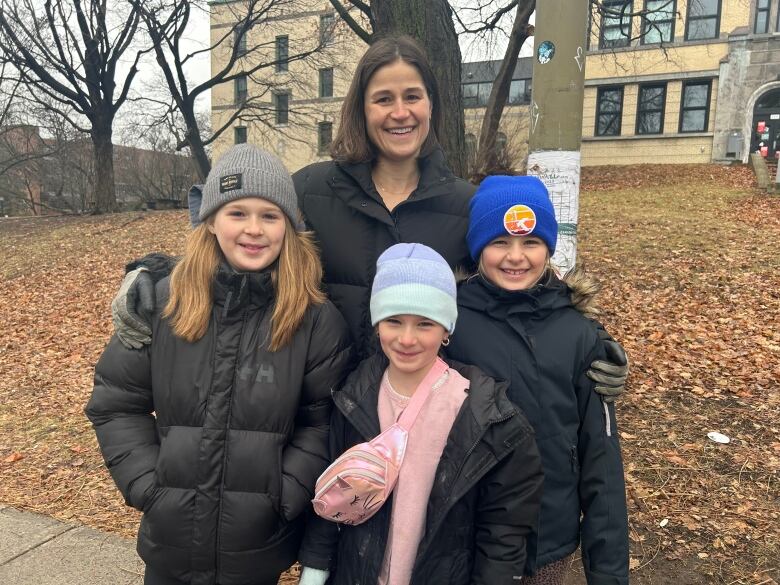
[
  {"x": 576, "y": 290},
  {"x": 357, "y": 398}
]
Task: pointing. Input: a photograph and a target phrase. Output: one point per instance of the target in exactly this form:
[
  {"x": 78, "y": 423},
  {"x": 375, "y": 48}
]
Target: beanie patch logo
[
  {"x": 230, "y": 182},
  {"x": 519, "y": 220}
]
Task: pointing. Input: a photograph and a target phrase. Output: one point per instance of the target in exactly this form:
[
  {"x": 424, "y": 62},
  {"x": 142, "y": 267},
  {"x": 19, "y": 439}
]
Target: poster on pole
[{"x": 559, "y": 170}]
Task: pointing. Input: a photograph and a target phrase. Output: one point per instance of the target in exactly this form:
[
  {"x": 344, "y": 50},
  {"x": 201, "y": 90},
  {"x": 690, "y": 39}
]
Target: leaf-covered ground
[{"x": 690, "y": 265}]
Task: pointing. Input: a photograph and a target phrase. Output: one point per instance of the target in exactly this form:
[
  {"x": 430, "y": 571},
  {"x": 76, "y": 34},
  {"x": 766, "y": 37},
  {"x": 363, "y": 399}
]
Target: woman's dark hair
[{"x": 351, "y": 143}]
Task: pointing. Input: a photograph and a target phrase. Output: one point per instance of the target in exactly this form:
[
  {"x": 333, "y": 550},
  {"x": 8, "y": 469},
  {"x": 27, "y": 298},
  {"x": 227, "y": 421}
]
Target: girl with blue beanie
[
  {"x": 468, "y": 489},
  {"x": 520, "y": 322}
]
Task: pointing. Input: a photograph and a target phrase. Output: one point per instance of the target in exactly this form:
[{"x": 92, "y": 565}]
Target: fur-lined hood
[{"x": 582, "y": 289}]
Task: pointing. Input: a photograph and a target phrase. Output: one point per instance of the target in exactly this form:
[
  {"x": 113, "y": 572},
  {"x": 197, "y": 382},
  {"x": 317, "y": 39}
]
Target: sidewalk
[{"x": 38, "y": 550}]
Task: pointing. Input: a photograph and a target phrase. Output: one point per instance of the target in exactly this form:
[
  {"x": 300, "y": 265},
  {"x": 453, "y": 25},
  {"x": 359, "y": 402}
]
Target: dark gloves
[
  {"x": 610, "y": 374},
  {"x": 134, "y": 304}
]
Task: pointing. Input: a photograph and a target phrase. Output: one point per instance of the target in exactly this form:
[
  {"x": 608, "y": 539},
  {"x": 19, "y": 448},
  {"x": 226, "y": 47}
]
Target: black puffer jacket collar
[{"x": 233, "y": 290}]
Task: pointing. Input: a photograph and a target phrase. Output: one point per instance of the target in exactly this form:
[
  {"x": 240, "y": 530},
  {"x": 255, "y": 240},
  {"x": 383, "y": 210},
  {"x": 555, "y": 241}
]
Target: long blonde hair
[{"x": 296, "y": 278}]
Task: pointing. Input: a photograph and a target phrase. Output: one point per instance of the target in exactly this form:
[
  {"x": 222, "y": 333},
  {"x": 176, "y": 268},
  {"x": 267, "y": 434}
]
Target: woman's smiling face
[{"x": 397, "y": 111}]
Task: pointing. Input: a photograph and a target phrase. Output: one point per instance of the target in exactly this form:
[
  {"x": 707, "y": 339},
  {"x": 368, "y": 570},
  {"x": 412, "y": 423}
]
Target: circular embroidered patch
[{"x": 519, "y": 220}]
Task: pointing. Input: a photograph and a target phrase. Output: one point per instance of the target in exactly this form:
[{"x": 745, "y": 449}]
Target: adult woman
[{"x": 388, "y": 183}]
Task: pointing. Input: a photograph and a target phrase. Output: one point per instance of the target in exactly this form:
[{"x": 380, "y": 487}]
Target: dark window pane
[
  {"x": 610, "y": 101},
  {"x": 651, "y": 98},
  {"x": 324, "y": 136},
  {"x": 650, "y": 123},
  {"x": 469, "y": 91},
  {"x": 762, "y": 22},
  {"x": 608, "y": 125},
  {"x": 239, "y": 135},
  {"x": 763, "y": 4},
  {"x": 702, "y": 7},
  {"x": 770, "y": 99},
  {"x": 609, "y": 111},
  {"x": 282, "y": 107},
  {"x": 657, "y": 32},
  {"x": 327, "y": 22},
  {"x": 693, "y": 121},
  {"x": 484, "y": 93},
  {"x": 695, "y": 96},
  {"x": 702, "y": 29},
  {"x": 282, "y": 53},
  {"x": 517, "y": 91},
  {"x": 326, "y": 82}
]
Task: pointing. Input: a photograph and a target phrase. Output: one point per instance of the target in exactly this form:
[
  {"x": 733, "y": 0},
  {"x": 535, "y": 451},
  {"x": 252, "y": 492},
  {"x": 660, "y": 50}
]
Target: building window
[
  {"x": 239, "y": 39},
  {"x": 326, "y": 82},
  {"x": 476, "y": 94},
  {"x": 761, "y": 25},
  {"x": 703, "y": 20},
  {"x": 695, "y": 106},
  {"x": 658, "y": 22},
  {"x": 239, "y": 135},
  {"x": 609, "y": 111},
  {"x": 282, "y": 107},
  {"x": 615, "y": 23},
  {"x": 240, "y": 89},
  {"x": 282, "y": 52},
  {"x": 327, "y": 24},
  {"x": 650, "y": 109},
  {"x": 324, "y": 136},
  {"x": 520, "y": 91}
]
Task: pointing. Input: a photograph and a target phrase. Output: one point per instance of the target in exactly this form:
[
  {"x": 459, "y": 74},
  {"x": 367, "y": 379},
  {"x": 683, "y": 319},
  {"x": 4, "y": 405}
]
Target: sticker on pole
[
  {"x": 545, "y": 52},
  {"x": 519, "y": 220}
]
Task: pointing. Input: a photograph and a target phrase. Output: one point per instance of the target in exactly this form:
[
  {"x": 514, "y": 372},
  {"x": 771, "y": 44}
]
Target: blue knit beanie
[
  {"x": 413, "y": 279},
  {"x": 519, "y": 206}
]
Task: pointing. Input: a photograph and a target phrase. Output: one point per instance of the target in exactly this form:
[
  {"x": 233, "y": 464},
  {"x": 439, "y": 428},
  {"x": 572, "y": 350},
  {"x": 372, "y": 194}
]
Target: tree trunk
[
  {"x": 200, "y": 159},
  {"x": 487, "y": 157},
  {"x": 103, "y": 197},
  {"x": 430, "y": 22}
]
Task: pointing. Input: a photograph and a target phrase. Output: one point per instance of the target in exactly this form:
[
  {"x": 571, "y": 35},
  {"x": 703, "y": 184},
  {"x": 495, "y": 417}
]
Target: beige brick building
[{"x": 693, "y": 81}]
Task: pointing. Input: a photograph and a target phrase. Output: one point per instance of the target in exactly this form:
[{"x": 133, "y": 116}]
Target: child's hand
[{"x": 311, "y": 576}]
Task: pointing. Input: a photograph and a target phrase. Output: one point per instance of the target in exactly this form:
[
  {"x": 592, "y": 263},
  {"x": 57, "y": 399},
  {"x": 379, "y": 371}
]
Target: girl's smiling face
[
  {"x": 250, "y": 232},
  {"x": 411, "y": 343},
  {"x": 514, "y": 262}
]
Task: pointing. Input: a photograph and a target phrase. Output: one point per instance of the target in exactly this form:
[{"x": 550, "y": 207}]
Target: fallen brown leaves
[{"x": 688, "y": 257}]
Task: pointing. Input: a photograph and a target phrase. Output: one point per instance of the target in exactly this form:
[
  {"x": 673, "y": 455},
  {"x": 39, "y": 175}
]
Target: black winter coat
[
  {"x": 226, "y": 465},
  {"x": 542, "y": 345},
  {"x": 483, "y": 504},
  {"x": 353, "y": 227}
]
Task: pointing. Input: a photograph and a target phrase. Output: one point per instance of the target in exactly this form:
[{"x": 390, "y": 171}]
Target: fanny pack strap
[{"x": 433, "y": 379}]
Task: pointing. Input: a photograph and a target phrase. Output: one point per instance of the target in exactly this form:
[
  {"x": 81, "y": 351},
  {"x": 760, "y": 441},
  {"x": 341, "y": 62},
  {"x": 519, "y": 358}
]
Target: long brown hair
[
  {"x": 296, "y": 277},
  {"x": 351, "y": 143}
]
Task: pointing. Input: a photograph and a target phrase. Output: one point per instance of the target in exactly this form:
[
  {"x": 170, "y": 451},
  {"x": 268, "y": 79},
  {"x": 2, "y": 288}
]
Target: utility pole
[{"x": 560, "y": 43}]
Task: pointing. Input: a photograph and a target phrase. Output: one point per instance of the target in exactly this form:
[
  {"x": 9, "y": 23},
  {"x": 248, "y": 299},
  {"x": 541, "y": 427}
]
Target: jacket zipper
[
  {"x": 574, "y": 458},
  {"x": 227, "y": 432}
]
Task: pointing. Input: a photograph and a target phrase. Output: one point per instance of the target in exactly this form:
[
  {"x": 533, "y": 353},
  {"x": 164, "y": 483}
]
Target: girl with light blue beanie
[{"x": 468, "y": 489}]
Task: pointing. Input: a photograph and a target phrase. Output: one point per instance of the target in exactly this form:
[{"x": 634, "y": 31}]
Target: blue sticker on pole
[{"x": 545, "y": 52}]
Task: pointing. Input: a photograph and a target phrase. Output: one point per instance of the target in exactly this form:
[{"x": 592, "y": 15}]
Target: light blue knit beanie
[{"x": 413, "y": 279}]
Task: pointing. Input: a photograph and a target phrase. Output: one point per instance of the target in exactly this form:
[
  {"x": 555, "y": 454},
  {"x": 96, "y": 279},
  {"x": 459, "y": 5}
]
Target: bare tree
[
  {"x": 166, "y": 22},
  {"x": 70, "y": 52}
]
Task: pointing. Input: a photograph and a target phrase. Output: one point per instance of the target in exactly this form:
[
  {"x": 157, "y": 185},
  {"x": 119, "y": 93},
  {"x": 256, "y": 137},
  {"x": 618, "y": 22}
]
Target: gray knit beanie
[{"x": 247, "y": 171}]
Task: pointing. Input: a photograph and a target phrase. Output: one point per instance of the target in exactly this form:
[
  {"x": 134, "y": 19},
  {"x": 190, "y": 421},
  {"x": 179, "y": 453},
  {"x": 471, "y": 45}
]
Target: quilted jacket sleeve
[
  {"x": 306, "y": 455},
  {"x": 121, "y": 409}
]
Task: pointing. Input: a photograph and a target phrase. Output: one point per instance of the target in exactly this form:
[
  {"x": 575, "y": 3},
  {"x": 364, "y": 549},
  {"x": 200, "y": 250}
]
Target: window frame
[
  {"x": 238, "y": 130},
  {"x": 717, "y": 17},
  {"x": 327, "y": 22},
  {"x": 240, "y": 95},
  {"x": 322, "y": 148},
  {"x": 640, "y": 111},
  {"x": 525, "y": 96},
  {"x": 604, "y": 27},
  {"x": 759, "y": 10},
  {"x": 706, "y": 108},
  {"x": 286, "y": 110},
  {"x": 322, "y": 85},
  {"x": 282, "y": 45},
  {"x": 672, "y": 21},
  {"x": 599, "y": 92}
]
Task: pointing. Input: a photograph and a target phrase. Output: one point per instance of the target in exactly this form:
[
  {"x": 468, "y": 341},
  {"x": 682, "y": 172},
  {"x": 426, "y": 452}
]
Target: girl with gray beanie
[
  {"x": 218, "y": 429},
  {"x": 468, "y": 486}
]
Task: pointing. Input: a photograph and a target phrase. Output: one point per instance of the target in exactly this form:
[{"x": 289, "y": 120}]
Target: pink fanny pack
[{"x": 354, "y": 486}]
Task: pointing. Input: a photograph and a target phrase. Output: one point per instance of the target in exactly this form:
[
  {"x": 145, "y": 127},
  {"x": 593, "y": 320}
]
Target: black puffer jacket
[
  {"x": 226, "y": 466},
  {"x": 484, "y": 500},
  {"x": 353, "y": 227},
  {"x": 542, "y": 345}
]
